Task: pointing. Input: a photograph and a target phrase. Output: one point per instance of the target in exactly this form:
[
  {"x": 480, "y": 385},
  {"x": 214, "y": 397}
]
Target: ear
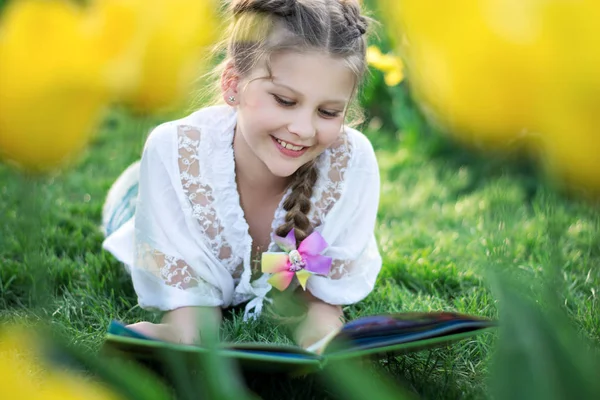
[{"x": 229, "y": 84}]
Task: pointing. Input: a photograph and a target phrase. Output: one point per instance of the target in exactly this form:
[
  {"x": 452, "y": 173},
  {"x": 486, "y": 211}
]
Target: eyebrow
[{"x": 333, "y": 101}]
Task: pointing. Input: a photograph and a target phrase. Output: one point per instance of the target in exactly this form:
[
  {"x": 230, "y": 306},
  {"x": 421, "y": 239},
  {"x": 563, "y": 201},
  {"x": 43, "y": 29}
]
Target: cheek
[
  {"x": 254, "y": 100},
  {"x": 258, "y": 107},
  {"x": 329, "y": 132}
]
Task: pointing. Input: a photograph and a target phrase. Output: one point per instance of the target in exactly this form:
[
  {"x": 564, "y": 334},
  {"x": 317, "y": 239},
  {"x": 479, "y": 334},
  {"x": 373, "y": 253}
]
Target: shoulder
[
  {"x": 165, "y": 135},
  {"x": 348, "y": 167},
  {"x": 361, "y": 149},
  {"x": 351, "y": 152}
]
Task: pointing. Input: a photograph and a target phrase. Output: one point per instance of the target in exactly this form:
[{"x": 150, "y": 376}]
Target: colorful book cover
[{"x": 371, "y": 336}]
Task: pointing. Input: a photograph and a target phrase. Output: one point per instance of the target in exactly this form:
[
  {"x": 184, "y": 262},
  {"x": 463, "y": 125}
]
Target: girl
[{"x": 222, "y": 186}]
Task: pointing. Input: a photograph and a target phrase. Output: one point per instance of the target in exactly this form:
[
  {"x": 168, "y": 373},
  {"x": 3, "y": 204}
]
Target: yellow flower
[
  {"x": 24, "y": 376},
  {"x": 51, "y": 96},
  {"x": 62, "y": 64},
  {"x": 390, "y": 65},
  {"x": 465, "y": 69},
  {"x": 174, "y": 51},
  {"x": 491, "y": 71}
]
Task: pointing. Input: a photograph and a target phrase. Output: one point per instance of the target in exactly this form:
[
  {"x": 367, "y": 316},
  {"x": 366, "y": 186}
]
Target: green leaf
[
  {"x": 354, "y": 381},
  {"x": 539, "y": 355},
  {"x": 126, "y": 378}
]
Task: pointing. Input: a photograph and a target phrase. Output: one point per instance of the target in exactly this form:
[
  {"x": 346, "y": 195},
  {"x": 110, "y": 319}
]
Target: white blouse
[{"x": 188, "y": 243}]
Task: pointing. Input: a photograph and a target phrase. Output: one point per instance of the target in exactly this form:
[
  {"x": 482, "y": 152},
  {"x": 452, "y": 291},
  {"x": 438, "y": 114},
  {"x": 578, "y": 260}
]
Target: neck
[{"x": 251, "y": 172}]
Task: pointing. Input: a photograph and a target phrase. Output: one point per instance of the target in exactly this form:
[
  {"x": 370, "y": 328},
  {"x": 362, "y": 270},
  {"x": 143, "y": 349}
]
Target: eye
[
  {"x": 329, "y": 114},
  {"x": 283, "y": 102}
]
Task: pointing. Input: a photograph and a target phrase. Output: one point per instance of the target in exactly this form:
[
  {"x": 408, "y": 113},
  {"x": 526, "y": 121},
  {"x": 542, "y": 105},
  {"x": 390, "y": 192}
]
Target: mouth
[
  {"x": 289, "y": 146},
  {"x": 289, "y": 149}
]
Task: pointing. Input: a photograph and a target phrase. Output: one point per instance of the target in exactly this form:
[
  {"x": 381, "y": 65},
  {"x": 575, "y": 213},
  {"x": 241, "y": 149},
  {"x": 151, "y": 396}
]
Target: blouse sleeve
[
  {"x": 172, "y": 265},
  {"x": 349, "y": 231}
]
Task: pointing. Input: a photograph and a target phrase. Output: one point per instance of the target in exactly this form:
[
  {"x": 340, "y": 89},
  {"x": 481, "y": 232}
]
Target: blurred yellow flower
[
  {"x": 179, "y": 35},
  {"x": 51, "y": 95},
  {"x": 61, "y": 64},
  {"x": 24, "y": 376},
  {"x": 473, "y": 78},
  {"x": 494, "y": 72},
  {"x": 390, "y": 65}
]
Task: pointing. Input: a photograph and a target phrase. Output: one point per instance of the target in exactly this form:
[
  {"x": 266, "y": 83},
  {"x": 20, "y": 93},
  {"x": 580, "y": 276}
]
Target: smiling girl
[{"x": 274, "y": 173}]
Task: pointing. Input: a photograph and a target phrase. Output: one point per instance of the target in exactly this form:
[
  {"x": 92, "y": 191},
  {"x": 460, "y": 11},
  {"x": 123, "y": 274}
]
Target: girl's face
[{"x": 289, "y": 120}]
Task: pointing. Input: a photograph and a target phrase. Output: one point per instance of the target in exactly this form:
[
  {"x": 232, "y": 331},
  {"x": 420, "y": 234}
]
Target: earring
[{"x": 231, "y": 99}]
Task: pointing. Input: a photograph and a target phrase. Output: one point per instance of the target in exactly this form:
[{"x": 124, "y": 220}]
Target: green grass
[{"x": 445, "y": 221}]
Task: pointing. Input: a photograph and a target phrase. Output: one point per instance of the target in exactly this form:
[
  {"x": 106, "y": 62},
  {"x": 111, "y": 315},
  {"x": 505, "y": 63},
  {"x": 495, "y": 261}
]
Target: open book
[{"x": 364, "y": 337}]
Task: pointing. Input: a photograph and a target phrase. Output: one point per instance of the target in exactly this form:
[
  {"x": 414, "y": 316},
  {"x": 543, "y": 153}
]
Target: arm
[
  {"x": 192, "y": 324},
  {"x": 172, "y": 271},
  {"x": 187, "y": 325},
  {"x": 321, "y": 319},
  {"x": 349, "y": 231}
]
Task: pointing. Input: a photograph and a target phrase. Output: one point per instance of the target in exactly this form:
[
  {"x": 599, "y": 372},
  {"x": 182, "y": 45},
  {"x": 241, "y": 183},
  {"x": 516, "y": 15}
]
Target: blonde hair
[{"x": 259, "y": 29}]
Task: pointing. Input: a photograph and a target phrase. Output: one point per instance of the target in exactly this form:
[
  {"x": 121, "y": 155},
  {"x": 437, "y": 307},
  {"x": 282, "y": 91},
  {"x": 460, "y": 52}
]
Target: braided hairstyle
[{"x": 261, "y": 28}]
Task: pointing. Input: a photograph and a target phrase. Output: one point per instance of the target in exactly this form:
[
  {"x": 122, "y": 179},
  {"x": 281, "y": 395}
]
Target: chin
[{"x": 283, "y": 171}]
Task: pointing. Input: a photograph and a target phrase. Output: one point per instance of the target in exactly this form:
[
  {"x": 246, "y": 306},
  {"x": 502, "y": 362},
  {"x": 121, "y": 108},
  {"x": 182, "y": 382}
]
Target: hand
[
  {"x": 164, "y": 332},
  {"x": 321, "y": 320},
  {"x": 184, "y": 325}
]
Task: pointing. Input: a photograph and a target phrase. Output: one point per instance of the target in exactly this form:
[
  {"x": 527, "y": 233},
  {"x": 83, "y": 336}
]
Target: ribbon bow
[{"x": 302, "y": 262}]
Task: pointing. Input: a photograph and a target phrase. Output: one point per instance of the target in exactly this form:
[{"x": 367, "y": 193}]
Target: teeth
[{"x": 289, "y": 146}]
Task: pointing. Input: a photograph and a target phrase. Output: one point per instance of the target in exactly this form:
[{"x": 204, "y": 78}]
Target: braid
[
  {"x": 353, "y": 18},
  {"x": 281, "y": 8},
  {"x": 297, "y": 204}
]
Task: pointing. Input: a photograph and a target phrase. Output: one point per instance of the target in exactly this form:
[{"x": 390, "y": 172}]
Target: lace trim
[
  {"x": 217, "y": 166},
  {"x": 339, "y": 269},
  {"x": 332, "y": 166},
  {"x": 332, "y": 172},
  {"x": 202, "y": 199},
  {"x": 176, "y": 272},
  {"x": 173, "y": 271}
]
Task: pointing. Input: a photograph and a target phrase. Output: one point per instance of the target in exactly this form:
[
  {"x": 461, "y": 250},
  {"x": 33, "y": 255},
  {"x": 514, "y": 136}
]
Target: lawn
[{"x": 448, "y": 218}]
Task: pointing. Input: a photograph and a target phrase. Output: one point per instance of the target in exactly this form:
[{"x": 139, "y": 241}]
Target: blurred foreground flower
[
  {"x": 52, "y": 95},
  {"x": 62, "y": 64},
  {"x": 495, "y": 72},
  {"x": 23, "y": 376},
  {"x": 390, "y": 65},
  {"x": 175, "y": 49}
]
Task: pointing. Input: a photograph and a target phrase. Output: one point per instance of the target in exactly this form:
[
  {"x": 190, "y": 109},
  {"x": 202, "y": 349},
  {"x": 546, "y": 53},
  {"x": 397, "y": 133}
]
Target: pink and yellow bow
[{"x": 302, "y": 262}]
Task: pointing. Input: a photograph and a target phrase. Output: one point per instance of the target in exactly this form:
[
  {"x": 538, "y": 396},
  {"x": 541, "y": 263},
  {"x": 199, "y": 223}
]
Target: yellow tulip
[
  {"x": 495, "y": 71},
  {"x": 119, "y": 35},
  {"x": 61, "y": 65},
  {"x": 390, "y": 65},
  {"x": 467, "y": 68},
  {"x": 24, "y": 376},
  {"x": 569, "y": 102},
  {"x": 51, "y": 96},
  {"x": 179, "y": 33}
]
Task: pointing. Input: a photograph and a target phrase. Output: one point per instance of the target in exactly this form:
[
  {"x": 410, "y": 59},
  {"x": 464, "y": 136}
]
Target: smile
[
  {"x": 289, "y": 146},
  {"x": 288, "y": 149}
]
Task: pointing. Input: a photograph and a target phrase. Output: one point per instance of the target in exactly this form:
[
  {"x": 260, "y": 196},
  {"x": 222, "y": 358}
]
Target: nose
[{"x": 303, "y": 124}]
